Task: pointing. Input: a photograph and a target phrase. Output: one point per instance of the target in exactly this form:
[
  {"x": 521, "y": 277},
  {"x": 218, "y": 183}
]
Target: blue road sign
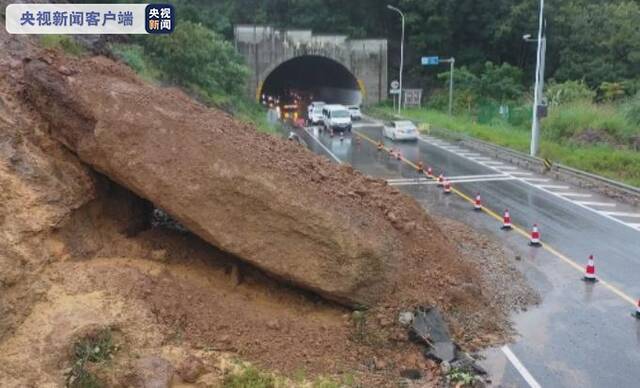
[{"x": 430, "y": 61}]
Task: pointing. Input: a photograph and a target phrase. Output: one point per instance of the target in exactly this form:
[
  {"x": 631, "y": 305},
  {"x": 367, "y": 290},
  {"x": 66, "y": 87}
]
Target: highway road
[{"x": 582, "y": 334}]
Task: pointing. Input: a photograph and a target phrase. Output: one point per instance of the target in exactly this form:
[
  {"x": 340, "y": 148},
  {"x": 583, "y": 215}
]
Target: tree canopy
[{"x": 594, "y": 41}]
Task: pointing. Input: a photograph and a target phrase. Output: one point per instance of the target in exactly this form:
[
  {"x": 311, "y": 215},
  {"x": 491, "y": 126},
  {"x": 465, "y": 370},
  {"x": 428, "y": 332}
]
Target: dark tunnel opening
[{"x": 311, "y": 78}]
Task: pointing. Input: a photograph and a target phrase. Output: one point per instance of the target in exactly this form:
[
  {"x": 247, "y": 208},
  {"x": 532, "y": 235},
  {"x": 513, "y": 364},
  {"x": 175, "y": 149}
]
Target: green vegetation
[
  {"x": 249, "y": 377},
  {"x": 201, "y": 62},
  {"x": 460, "y": 376},
  {"x": 92, "y": 349},
  {"x": 65, "y": 43},
  {"x": 565, "y": 139}
]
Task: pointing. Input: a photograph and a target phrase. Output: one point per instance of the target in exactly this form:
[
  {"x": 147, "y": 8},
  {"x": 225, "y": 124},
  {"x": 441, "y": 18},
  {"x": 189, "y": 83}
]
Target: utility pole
[
  {"x": 539, "y": 87},
  {"x": 401, "y": 55}
]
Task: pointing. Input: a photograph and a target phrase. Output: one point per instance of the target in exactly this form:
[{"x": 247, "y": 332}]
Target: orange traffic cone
[
  {"x": 477, "y": 205},
  {"x": 398, "y": 155},
  {"x": 380, "y": 146},
  {"x": 590, "y": 272},
  {"x": 420, "y": 167},
  {"x": 441, "y": 180},
  {"x": 447, "y": 186},
  {"x": 430, "y": 172},
  {"x": 506, "y": 220},
  {"x": 535, "y": 237}
]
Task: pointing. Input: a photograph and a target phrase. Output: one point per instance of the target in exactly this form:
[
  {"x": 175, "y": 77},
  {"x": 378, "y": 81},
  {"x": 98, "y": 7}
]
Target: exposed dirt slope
[
  {"x": 281, "y": 208},
  {"x": 72, "y": 263}
]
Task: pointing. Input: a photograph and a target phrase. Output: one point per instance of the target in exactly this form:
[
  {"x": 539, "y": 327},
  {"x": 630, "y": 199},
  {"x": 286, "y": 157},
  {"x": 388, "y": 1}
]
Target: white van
[
  {"x": 315, "y": 105},
  {"x": 336, "y": 117}
]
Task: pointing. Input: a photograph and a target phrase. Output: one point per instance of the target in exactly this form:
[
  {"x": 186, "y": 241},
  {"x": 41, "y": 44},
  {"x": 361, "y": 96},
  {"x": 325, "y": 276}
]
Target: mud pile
[{"x": 293, "y": 214}]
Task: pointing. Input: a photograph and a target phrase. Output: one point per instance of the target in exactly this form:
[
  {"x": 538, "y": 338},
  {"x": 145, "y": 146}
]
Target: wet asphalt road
[{"x": 582, "y": 335}]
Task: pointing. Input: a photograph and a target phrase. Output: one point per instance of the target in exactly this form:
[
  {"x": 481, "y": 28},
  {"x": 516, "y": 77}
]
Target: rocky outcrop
[{"x": 234, "y": 188}]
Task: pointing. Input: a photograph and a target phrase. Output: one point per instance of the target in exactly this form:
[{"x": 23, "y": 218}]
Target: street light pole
[
  {"x": 537, "y": 98},
  {"x": 401, "y": 54}
]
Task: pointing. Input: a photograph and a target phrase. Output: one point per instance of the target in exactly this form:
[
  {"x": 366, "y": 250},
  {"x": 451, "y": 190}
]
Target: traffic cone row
[{"x": 535, "y": 240}]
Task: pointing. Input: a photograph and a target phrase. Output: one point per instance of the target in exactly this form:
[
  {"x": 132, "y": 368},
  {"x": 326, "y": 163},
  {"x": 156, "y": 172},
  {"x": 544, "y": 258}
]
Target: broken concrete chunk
[
  {"x": 429, "y": 326},
  {"x": 405, "y": 318}
]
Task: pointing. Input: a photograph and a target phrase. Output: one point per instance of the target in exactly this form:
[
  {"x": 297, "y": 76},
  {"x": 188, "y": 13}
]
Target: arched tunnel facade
[
  {"x": 314, "y": 78},
  {"x": 332, "y": 67}
]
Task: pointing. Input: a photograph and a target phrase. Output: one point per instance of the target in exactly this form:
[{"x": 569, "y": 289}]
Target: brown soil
[{"x": 73, "y": 259}]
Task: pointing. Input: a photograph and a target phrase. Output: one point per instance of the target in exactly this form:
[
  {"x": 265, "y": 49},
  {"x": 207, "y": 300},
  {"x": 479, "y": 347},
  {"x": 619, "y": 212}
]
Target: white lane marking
[
  {"x": 555, "y": 187},
  {"x": 576, "y": 195},
  {"x": 542, "y": 180},
  {"x": 509, "y": 168},
  {"x": 362, "y": 125},
  {"x": 637, "y": 226},
  {"x": 523, "y": 173},
  {"x": 623, "y": 214},
  {"x": 451, "y": 177},
  {"x": 520, "y": 368},
  {"x": 603, "y": 204},
  {"x": 584, "y": 205},
  {"x": 323, "y": 146},
  {"x": 469, "y": 180}
]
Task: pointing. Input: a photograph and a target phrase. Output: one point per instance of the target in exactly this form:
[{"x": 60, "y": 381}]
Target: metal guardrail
[{"x": 605, "y": 186}]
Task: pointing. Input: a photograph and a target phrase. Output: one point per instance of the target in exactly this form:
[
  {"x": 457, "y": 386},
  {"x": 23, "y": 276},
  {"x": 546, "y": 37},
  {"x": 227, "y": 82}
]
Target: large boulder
[{"x": 249, "y": 194}]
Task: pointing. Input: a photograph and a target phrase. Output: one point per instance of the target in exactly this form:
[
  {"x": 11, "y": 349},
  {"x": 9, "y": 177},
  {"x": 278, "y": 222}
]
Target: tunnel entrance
[{"x": 311, "y": 78}]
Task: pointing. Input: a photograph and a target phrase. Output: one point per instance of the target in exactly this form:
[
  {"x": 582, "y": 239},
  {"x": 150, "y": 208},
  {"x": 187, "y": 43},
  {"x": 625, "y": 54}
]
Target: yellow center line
[{"x": 516, "y": 228}]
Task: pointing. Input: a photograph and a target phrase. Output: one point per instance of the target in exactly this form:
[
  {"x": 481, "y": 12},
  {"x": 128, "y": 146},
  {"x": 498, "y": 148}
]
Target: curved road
[{"x": 582, "y": 334}]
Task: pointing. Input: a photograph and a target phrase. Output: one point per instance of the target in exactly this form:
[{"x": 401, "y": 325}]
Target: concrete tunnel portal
[{"x": 313, "y": 78}]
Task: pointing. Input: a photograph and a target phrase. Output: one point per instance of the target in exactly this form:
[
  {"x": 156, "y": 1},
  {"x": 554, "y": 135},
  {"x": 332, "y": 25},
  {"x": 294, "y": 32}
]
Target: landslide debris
[
  {"x": 72, "y": 265},
  {"x": 293, "y": 214}
]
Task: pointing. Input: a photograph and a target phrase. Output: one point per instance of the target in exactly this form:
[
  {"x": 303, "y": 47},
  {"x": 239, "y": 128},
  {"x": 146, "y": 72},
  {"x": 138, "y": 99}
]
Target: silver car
[{"x": 400, "y": 130}]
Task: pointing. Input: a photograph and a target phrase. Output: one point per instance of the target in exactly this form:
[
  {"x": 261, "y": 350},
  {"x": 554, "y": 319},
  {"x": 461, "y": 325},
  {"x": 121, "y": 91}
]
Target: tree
[{"x": 195, "y": 56}]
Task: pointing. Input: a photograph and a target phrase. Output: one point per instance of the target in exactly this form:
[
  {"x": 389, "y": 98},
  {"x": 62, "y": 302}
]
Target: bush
[
  {"x": 568, "y": 92},
  {"x": 567, "y": 121},
  {"x": 631, "y": 110}
]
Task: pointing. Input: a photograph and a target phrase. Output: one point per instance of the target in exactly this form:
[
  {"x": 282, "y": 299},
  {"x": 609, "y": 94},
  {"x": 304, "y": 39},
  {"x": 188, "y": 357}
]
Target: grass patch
[
  {"x": 133, "y": 55},
  {"x": 92, "y": 349},
  {"x": 250, "y": 377},
  {"x": 65, "y": 43},
  {"x": 617, "y": 163},
  {"x": 460, "y": 377}
]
